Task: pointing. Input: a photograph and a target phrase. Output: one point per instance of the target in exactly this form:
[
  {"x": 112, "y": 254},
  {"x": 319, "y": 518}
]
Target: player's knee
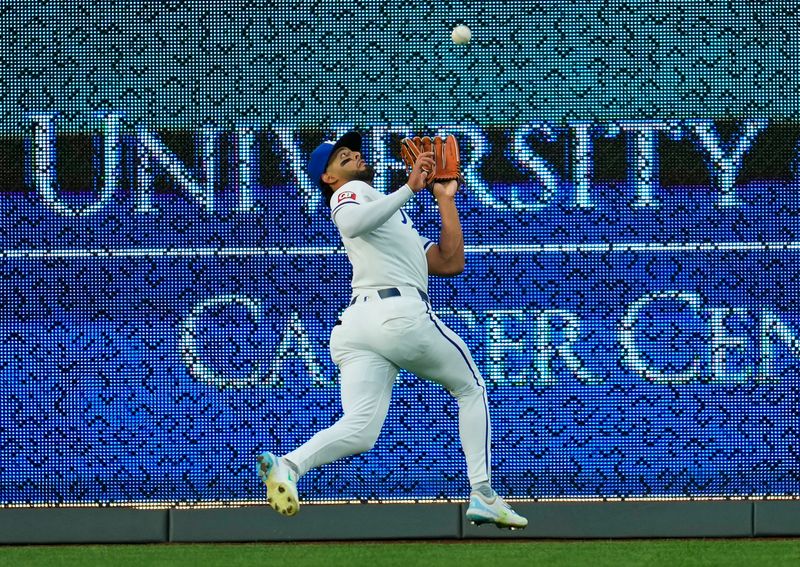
[
  {"x": 364, "y": 438},
  {"x": 362, "y": 443},
  {"x": 360, "y": 432},
  {"x": 470, "y": 390}
]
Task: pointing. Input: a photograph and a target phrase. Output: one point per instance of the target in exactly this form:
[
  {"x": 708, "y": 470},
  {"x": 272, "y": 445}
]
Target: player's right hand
[{"x": 421, "y": 172}]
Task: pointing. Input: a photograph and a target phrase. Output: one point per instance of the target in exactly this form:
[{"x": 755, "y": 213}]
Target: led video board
[{"x": 171, "y": 276}]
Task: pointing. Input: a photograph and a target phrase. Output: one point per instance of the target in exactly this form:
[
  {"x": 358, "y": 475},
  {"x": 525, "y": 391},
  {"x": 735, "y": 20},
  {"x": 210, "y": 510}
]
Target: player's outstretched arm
[
  {"x": 356, "y": 221},
  {"x": 447, "y": 257}
]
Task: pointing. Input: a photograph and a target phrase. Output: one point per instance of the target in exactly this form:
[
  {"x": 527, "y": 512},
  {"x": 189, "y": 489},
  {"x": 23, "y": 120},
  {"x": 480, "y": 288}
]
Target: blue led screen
[{"x": 171, "y": 276}]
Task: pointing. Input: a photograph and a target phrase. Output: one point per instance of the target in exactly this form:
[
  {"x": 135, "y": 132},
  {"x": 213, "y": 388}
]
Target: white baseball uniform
[{"x": 389, "y": 325}]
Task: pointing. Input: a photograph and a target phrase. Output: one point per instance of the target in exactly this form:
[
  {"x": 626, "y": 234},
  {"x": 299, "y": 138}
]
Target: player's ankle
[
  {"x": 291, "y": 465},
  {"x": 484, "y": 489}
]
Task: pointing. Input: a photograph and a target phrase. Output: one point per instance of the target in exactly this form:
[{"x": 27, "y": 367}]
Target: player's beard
[{"x": 367, "y": 174}]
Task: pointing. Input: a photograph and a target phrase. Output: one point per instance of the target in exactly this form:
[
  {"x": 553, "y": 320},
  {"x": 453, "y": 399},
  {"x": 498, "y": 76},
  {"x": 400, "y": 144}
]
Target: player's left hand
[
  {"x": 422, "y": 170},
  {"x": 447, "y": 189}
]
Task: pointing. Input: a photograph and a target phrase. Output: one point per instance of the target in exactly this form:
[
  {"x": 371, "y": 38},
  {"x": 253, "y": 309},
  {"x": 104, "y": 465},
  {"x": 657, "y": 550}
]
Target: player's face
[{"x": 346, "y": 165}]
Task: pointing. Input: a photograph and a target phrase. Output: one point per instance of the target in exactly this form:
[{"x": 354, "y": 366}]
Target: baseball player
[{"x": 388, "y": 325}]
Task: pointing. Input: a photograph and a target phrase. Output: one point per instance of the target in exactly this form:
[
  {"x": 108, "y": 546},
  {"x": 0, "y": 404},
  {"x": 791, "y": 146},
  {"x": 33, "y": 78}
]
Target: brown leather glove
[{"x": 445, "y": 155}]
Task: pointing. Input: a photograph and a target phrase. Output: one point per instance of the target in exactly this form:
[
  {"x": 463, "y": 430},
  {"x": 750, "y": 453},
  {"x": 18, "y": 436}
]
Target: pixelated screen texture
[{"x": 171, "y": 275}]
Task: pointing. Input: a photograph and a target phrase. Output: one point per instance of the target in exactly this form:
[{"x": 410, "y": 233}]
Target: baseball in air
[{"x": 461, "y": 35}]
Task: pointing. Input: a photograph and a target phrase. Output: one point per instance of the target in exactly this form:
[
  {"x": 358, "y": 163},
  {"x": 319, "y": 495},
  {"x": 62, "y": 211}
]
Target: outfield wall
[
  {"x": 170, "y": 276},
  {"x": 557, "y": 520}
]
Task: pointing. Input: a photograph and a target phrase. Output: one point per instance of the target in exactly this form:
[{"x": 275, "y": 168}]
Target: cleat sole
[
  {"x": 286, "y": 505},
  {"x": 499, "y": 526},
  {"x": 279, "y": 495}
]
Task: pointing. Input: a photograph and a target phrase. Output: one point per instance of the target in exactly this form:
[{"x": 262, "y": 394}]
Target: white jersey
[
  {"x": 378, "y": 334},
  {"x": 390, "y": 254}
]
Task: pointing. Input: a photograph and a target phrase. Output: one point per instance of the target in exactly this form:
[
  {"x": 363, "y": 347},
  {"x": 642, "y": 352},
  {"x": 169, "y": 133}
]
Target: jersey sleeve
[
  {"x": 348, "y": 195},
  {"x": 426, "y": 243},
  {"x": 354, "y": 215}
]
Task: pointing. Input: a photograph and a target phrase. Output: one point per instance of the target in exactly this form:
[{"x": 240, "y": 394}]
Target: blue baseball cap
[{"x": 318, "y": 162}]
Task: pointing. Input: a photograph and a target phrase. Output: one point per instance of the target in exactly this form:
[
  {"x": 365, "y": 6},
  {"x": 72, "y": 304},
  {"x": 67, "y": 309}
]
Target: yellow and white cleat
[
  {"x": 281, "y": 484},
  {"x": 483, "y": 510}
]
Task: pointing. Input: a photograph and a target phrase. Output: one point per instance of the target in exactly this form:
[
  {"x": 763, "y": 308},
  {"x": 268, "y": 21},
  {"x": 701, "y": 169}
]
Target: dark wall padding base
[{"x": 560, "y": 520}]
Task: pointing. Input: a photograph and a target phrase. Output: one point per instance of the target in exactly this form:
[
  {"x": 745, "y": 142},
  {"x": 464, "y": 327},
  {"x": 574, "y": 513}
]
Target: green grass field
[{"x": 459, "y": 553}]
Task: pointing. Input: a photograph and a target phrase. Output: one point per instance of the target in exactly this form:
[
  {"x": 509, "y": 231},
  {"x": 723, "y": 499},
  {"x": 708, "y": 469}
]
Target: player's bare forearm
[
  {"x": 447, "y": 258},
  {"x": 451, "y": 237}
]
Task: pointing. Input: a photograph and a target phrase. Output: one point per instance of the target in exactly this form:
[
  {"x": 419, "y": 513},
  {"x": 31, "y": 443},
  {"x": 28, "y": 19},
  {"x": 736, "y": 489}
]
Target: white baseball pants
[{"x": 375, "y": 339}]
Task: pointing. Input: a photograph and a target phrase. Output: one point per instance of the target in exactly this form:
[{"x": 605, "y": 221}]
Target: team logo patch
[{"x": 346, "y": 195}]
